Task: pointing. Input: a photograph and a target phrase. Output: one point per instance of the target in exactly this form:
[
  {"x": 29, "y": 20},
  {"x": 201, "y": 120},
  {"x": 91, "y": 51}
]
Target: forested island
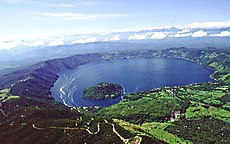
[{"x": 102, "y": 91}]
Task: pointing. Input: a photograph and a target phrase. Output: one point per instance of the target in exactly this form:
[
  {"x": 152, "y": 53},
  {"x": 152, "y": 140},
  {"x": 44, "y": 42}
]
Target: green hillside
[{"x": 195, "y": 113}]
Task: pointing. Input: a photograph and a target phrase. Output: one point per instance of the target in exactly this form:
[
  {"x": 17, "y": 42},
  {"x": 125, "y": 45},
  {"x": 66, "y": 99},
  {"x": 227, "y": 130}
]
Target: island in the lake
[{"x": 102, "y": 91}]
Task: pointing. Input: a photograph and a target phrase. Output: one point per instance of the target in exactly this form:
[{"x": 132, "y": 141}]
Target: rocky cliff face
[{"x": 37, "y": 80}]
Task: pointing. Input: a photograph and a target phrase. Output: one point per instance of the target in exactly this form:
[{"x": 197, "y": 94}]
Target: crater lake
[{"x": 133, "y": 75}]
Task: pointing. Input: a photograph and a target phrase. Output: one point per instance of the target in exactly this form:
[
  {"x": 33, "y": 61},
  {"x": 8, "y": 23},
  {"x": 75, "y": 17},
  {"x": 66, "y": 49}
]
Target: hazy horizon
[{"x": 36, "y": 22}]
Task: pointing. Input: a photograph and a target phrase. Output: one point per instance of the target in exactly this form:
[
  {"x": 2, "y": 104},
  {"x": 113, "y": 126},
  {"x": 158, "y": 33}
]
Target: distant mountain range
[
  {"x": 150, "y": 35},
  {"x": 19, "y": 53}
]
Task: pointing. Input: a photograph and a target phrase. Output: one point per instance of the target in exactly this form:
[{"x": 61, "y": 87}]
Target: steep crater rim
[{"x": 37, "y": 80}]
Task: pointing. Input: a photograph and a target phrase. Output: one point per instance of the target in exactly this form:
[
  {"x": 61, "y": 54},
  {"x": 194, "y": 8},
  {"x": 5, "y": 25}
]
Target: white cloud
[
  {"x": 81, "y": 16},
  {"x": 184, "y": 31},
  {"x": 64, "y": 14},
  {"x": 14, "y": 1},
  {"x": 183, "y": 28},
  {"x": 88, "y": 3},
  {"x": 88, "y": 40},
  {"x": 137, "y": 37},
  {"x": 96, "y": 2},
  {"x": 97, "y": 16},
  {"x": 153, "y": 35},
  {"x": 34, "y": 43},
  {"x": 115, "y": 38},
  {"x": 158, "y": 35},
  {"x": 62, "y": 5},
  {"x": 199, "y": 33},
  {"x": 209, "y": 24},
  {"x": 222, "y": 34},
  {"x": 181, "y": 35},
  {"x": 67, "y": 34},
  {"x": 103, "y": 33},
  {"x": 56, "y": 43},
  {"x": 131, "y": 37},
  {"x": 5, "y": 45}
]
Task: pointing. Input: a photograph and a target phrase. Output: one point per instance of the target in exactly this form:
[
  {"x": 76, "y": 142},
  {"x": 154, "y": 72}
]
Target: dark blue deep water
[{"x": 133, "y": 74}]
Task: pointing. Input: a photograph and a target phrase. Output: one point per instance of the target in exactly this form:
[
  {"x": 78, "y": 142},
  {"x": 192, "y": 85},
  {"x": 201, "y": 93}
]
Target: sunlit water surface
[{"x": 132, "y": 74}]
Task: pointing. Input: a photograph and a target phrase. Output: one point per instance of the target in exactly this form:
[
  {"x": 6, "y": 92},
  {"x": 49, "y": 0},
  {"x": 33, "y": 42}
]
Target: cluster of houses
[{"x": 174, "y": 115}]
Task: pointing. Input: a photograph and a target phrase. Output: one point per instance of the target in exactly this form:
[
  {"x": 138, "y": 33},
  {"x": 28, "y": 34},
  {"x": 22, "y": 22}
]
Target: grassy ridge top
[{"x": 202, "y": 110}]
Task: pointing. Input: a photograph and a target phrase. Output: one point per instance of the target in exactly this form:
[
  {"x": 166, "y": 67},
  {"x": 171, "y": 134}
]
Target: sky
[{"x": 25, "y": 19}]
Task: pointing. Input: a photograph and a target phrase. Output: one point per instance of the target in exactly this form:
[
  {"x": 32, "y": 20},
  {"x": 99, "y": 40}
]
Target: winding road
[
  {"x": 68, "y": 128},
  {"x": 133, "y": 140},
  {"x": 4, "y": 114}
]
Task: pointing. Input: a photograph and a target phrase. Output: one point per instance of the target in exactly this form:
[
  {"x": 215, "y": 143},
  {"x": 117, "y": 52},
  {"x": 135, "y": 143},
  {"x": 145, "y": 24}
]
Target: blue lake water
[{"x": 132, "y": 74}]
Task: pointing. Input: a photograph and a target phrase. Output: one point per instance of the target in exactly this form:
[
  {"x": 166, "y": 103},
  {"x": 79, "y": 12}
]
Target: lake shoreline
[
  {"x": 37, "y": 80},
  {"x": 99, "y": 62}
]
